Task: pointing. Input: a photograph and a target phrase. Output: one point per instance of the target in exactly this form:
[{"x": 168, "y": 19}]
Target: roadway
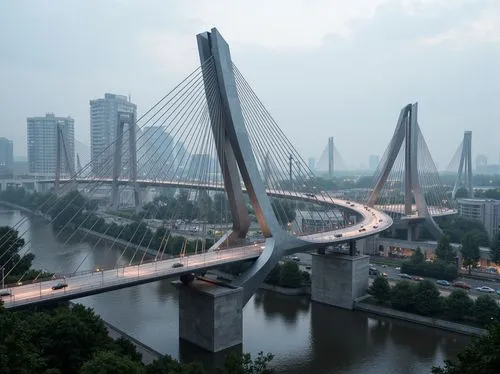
[
  {"x": 373, "y": 221},
  {"x": 95, "y": 282}
]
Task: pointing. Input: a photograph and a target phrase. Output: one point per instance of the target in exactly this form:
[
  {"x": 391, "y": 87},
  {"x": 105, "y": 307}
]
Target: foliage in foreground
[
  {"x": 482, "y": 356},
  {"x": 75, "y": 340}
]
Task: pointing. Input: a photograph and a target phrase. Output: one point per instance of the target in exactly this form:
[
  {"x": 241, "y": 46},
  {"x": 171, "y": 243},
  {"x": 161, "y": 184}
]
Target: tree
[
  {"x": 167, "y": 364},
  {"x": 417, "y": 257},
  {"x": 290, "y": 275},
  {"x": 427, "y": 300},
  {"x": 482, "y": 356},
  {"x": 381, "y": 290},
  {"x": 444, "y": 251},
  {"x": 402, "y": 296},
  {"x": 486, "y": 310},
  {"x": 470, "y": 251},
  {"x": 107, "y": 362},
  {"x": 243, "y": 364},
  {"x": 458, "y": 305},
  {"x": 10, "y": 245},
  {"x": 461, "y": 193}
]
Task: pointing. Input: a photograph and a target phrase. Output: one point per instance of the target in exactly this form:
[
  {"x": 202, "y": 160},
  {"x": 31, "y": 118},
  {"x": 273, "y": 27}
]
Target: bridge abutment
[
  {"x": 210, "y": 315},
  {"x": 338, "y": 280}
]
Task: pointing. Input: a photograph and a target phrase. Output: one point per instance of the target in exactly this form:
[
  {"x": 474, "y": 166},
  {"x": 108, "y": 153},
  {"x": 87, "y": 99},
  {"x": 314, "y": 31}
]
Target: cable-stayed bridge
[
  {"x": 406, "y": 184},
  {"x": 330, "y": 159},
  {"x": 224, "y": 165}
]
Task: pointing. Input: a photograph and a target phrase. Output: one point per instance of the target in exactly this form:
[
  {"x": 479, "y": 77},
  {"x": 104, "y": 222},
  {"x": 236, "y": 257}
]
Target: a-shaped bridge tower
[{"x": 407, "y": 183}]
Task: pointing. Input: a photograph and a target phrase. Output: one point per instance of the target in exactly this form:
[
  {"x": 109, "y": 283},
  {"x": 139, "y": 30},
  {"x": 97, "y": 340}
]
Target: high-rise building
[
  {"x": 373, "y": 162},
  {"x": 6, "y": 153},
  {"x": 160, "y": 154},
  {"x": 42, "y": 144},
  {"x": 103, "y": 123},
  {"x": 486, "y": 211}
]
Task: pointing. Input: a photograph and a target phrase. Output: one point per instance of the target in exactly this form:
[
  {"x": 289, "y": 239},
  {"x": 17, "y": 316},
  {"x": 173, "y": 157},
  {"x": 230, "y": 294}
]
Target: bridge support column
[
  {"x": 210, "y": 315},
  {"x": 338, "y": 280}
]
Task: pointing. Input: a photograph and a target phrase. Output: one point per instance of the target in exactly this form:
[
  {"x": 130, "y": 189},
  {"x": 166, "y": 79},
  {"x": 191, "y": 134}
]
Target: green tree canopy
[
  {"x": 403, "y": 296},
  {"x": 444, "y": 251},
  {"x": 107, "y": 362},
  {"x": 470, "y": 251},
  {"x": 381, "y": 290},
  {"x": 427, "y": 299},
  {"x": 458, "y": 305},
  {"x": 486, "y": 310}
]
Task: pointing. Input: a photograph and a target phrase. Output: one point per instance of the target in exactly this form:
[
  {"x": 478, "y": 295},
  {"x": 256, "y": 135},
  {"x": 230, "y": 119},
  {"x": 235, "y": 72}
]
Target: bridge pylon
[
  {"x": 125, "y": 119},
  {"x": 464, "y": 175},
  {"x": 61, "y": 150},
  {"x": 408, "y": 142}
]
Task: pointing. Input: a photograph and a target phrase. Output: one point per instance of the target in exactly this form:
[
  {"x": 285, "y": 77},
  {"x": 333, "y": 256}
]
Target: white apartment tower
[
  {"x": 103, "y": 122},
  {"x": 42, "y": 144}
]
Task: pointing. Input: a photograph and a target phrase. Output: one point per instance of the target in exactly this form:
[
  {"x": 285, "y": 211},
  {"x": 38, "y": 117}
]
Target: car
[
  {"x": 373, "y": 271},
  {"x": 177, "y": 265},
  {"x": 375, "y": 226},
  {"x": 485, "y": 289},
  {"x": 5, "y": 292},
  {"x": 338, "y": 235},
  {"x": 443, "y": 282},
  {"x": 404, "y": 276},
  {"x": 385, "y": 275},
  {"x": 380, "y": 220},
  {"x": 296, "y": 259},
  {"x": 59, "y": 286},
  {"x": 417, "y": 278},
  {"x": 361, "y": 230},
  {"x": 462, "y": 285},
  {"x": 398, "y": 268}
]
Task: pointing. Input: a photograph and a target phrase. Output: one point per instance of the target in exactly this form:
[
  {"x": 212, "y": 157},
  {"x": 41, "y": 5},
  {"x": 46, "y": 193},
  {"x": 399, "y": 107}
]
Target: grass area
[{"x": 394, "y": 262}]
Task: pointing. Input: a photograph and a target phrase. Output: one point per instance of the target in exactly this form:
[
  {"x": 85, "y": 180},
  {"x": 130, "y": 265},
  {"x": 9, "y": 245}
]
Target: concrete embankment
[
  {"x": 148, "y": 353},
  {"x": 15, "y": 206},
  {"x": 90, "y": 233},
  {"x": 415, "y": 318},
  {"x": 115, "y": 241}
]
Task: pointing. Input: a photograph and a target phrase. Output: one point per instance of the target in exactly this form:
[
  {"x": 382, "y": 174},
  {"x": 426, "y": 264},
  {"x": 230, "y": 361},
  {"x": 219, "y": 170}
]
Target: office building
[
  {"x": 160, "y": 154},
  {"x": 42, "y": 144},
  {"x": 486, "y": 211},
  {"x": 373, "y": 162},
  {"x": 6, "y": 153},
  {"x": 103, "y": 123}
]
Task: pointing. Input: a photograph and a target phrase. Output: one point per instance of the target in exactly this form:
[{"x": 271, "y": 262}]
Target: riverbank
[
  {"x": 148, "y": 353},
  {"x": 363, "y": 306},
  {"x": 89, "y": 233}
]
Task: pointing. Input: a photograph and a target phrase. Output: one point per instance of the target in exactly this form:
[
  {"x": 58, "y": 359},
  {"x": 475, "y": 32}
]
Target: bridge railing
[{"x": 91, "y": 282}]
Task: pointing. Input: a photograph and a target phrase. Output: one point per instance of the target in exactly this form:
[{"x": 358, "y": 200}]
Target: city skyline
[{"x": 339, "y": 47}]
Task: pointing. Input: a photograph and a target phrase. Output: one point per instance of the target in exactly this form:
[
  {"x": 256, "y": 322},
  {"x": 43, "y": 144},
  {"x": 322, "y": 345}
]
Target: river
[{"x": 305, "y": 337}]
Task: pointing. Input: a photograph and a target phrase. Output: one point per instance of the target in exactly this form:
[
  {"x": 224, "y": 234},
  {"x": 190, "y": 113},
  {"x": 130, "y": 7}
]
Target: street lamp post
[{"x": 3, "y": 277}]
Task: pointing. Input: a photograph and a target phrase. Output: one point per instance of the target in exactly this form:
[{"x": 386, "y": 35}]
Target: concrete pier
[
  {"x": 338, "y": 280},
  {"x": 210, "y": 315}
]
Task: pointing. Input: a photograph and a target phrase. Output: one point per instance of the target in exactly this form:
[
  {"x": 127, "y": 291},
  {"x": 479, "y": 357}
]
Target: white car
[{"x": 485, "y": 289}]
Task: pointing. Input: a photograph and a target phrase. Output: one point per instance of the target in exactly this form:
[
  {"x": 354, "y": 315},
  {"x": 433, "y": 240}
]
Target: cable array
[{"x": 392, "y": 196}]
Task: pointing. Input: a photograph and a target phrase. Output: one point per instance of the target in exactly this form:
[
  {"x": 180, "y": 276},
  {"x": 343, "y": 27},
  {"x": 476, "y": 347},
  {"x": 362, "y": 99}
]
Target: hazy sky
[{"x": 323, "y": 68}]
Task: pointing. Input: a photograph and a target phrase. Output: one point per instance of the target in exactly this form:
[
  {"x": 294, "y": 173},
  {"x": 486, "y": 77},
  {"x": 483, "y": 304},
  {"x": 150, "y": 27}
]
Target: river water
[{"x": 305, "y": 337}]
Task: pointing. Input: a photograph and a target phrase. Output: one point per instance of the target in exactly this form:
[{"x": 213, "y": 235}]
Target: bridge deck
[{"x": 107, "y": 280}]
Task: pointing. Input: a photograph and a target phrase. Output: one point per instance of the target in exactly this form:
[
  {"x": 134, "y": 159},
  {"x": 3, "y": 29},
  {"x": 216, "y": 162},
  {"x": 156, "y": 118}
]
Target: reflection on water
[{"x": 305, "y": 337}]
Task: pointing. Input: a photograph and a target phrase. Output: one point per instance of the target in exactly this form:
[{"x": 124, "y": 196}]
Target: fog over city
[{"x": 322, "y": 68}]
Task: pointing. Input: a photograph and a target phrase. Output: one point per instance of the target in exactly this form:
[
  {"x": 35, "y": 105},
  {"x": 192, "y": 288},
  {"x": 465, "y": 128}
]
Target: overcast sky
[{"x": 322, "y": 67}]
